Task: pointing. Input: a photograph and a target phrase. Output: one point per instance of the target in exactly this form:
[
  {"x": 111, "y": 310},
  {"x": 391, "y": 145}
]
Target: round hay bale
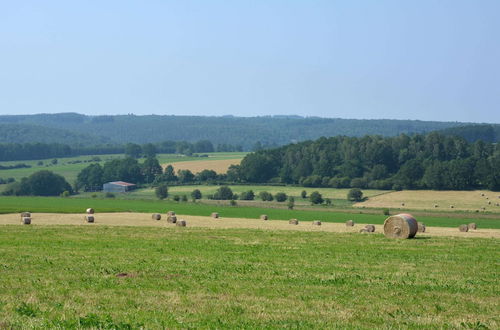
[
  {"x": 25, "y": 215},
  {"x": 26, "y": 220},
  {"x": 400, "y": 226},
  {"x": 421, "y": 227},
  {"x": 171, "y": 219},
  {"x": 452, "y": 206},
  {"x": 90, "y": 210},
  {"x": 170, "y": 213},
  {"x": 293, "y": 222},
  {"x": 436, "y": 206},
  {"x": 482, "y": 194},
  {"x": 489, "y": 202},
  {"x": 487, "y": 198},
  {"x": 497, "y": 204},
  {"x": 316, "y": 223},
  {"x": 156, "y": 216},
  {"x": 264, "y": 217},
  {"x": 472, "y": 225},
  {"x": 370, "y": 228},
  {"x": 483, "y": 208},
  {"x": 463, "y": 228},
  {"x": 402, "y": 204},
  {"x": 181, "y": 223},
  {"x": 215, "y": 215},
  {"x": 349, "y": 223},
  {"x": 89, "y": 218}
]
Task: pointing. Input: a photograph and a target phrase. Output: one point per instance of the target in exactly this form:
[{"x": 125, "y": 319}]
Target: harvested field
[
  {"x": 144, "y": 219},
  {"x": 220, "y": 166},
  {"x": 427, "y": 199}
]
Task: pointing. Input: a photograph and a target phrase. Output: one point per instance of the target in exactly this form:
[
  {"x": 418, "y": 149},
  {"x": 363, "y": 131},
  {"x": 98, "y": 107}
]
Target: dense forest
[
  {"x": 432, "y": 161},
  {"x": 486, "y": 132},
  {"x": 81, "y": 130},
  {"x": 33, "y": 151}
]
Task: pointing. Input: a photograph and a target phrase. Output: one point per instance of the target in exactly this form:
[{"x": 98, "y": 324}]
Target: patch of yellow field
[
  {"x": 220, "y": 166},
  {"x": 144, "y": 220},
  {"x": 426, "y": 199}
]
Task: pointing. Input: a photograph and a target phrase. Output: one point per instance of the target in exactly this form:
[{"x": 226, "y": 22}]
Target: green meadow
[{"x": 133, "y": 277}]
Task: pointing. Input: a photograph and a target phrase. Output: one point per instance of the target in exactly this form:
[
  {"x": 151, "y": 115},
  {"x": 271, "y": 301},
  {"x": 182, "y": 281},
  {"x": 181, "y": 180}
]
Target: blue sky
[{"x": 422, "y": 59}]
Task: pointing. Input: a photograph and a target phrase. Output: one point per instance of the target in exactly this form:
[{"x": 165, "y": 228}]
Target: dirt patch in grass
[{"x": 219, "y": 166}]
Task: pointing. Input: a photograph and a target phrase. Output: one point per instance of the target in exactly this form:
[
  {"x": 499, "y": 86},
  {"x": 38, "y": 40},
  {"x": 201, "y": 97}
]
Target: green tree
[
  {"x": 316, "y": 198},
  {"x": 247, "y": 195},
  {"x": 133, "y": 150},
  {"x": 149, "y": 150},
  {"x": 355, "y": 194},
  {"x": 280, "y": 197},
  {"x": 151, "y": 168},
  {"x": 291, "y": 203},
  {"x": 185, "y": 176},
  {"x": 223, "y": 193},
  {"x": 303, "y": 194},
  {"x": 41, "y": 183},
  {"x": 266, "y": 196},
  {"x": 161, "y": 191},
  {"x": 196, "y": 194}
]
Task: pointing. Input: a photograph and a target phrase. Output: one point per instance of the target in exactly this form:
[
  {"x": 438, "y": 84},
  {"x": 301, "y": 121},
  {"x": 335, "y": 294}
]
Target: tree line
[
  {"x": 432, "y": 161},
  {"x": 33, "y": 151}
]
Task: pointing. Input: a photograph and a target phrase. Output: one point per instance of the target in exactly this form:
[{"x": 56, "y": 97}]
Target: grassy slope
[
  {"x": 78, "y": 205},
  {"x": 197, "y": 278}
]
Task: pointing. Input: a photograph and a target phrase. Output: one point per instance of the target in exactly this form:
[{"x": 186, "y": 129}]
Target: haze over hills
[{"x": 78, "y": 129}]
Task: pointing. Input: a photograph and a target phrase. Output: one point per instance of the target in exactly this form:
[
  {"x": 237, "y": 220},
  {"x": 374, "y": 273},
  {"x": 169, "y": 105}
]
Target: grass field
[
  {"x": 426, "y": 199},
  {"x": 77, "y": 205},
  {"x": 70, "y": 171},
  {"x": 131, "y": 277}
]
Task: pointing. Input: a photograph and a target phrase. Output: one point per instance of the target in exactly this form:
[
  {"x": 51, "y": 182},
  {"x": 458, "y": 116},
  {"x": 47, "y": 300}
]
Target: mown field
[
  {"x": 69, "y": 169},
  {"x": 10, "y": 204},
  {"x": 131, "y": 277}
]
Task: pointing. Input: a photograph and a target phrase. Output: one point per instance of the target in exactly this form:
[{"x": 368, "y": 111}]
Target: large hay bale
[
  {"x": 181, "y": 223},
  {"x": 170, "y": 213},
  {"x": 156, "y": 216},
  {"x": 370, "y": 228},
  {"x": 90, "y": 210},
  {"x": 421, "y": 227},
  {"x": 293, "y": 222},
  {"x": 316, "y": 223},
  {"x": 489, "y": 202},
  {"x": 171, "y": 219},
  {"x": 472, "y": 225},
  {"x": 463, "y": 228},
  {"x": 436, "y": 205},
  {"x": 452, "y": 206},
  {"x": 264, "y": 217},
  {"x": 402, "y": 204},
  {"x": 349, "y": 223},
  {"x": 89, "y": 218},
  {"x": 215, "y": 215},
  {"x": 26, "y": 221},
  {"x": 482, "y": 194},
  {"x": 26, "y": 215},
  {"x": 400, "y": 226}
]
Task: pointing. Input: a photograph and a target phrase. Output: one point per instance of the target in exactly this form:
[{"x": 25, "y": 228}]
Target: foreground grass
[
  {"x": 190, "y": 278},
  {"x": 78, "y": 205}
]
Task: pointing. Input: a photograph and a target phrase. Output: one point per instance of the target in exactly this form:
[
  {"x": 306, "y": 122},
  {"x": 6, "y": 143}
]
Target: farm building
[{"x": 118, "y": 186}]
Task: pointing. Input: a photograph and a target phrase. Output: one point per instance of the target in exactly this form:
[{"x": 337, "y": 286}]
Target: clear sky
[{"x": 401, "y": 59}]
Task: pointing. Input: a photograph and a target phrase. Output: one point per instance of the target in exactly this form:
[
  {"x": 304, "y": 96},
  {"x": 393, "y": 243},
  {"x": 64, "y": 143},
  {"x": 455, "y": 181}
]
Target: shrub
[
  {"x": 316, "y": 198},
  {"x": 247, "y": 195},
  {"x": 355, "y": 194},
  {"x": 65, "y": 193},
  {"x": 291, "y": 203},
  {"x": 266, "y": 196},
  {"x": 184, "y": 198},
  {"x": 328, "y": 201},
  {"x": 196, "y": 194},
  {"x": 233, "y": 202},
  {"x": 386, "y": 212},
  {"x": 223, "y": 193},
  {"x": 176, "y": 198},
  {"x": 280, "y": 197},
  {"x": 303, "y": 194},
  {"x": 161, "y": 191}
]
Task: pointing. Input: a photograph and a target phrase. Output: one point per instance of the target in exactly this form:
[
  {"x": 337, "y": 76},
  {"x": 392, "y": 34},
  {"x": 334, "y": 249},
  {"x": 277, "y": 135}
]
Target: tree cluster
[{"x": 431, "y": 161}]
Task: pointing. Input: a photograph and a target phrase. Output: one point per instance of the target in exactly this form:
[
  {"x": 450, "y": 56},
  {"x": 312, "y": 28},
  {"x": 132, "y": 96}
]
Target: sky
[{"x": 412, "y": 59}]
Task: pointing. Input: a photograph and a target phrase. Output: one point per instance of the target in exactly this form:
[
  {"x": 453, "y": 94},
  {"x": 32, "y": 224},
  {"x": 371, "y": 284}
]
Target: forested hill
[
  {"x": 431, "y": 161},
  {"x": 246, "y": 132},
  {"x": 486, "y": 132}
]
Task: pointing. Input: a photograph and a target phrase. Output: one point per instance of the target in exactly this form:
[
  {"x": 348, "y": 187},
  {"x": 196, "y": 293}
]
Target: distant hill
[
  {"x": 485, "y": 132},
  {"x": 269, "y": 131},
  {"x": 28, "y": 133}
]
